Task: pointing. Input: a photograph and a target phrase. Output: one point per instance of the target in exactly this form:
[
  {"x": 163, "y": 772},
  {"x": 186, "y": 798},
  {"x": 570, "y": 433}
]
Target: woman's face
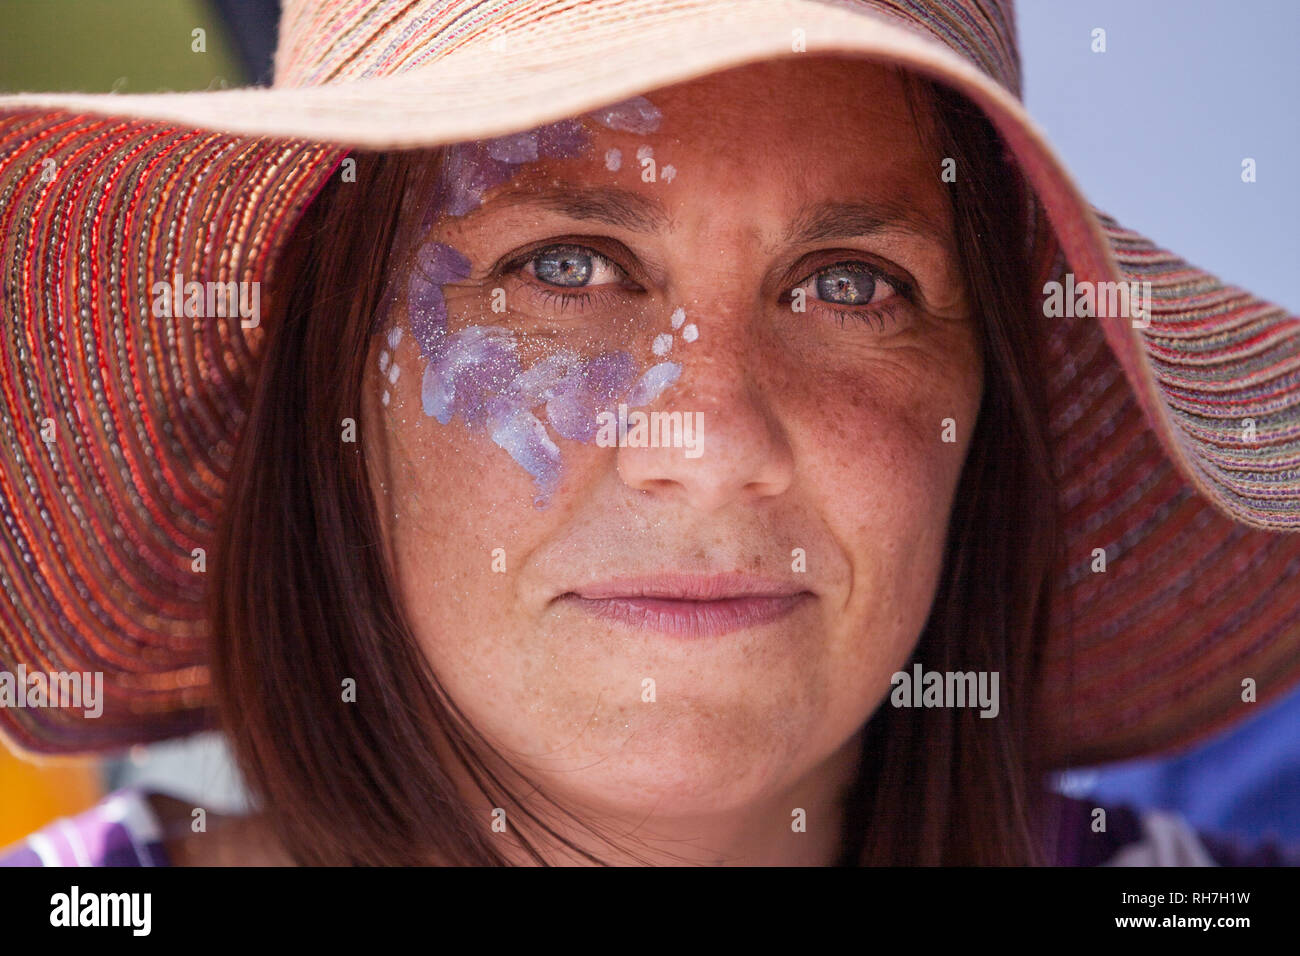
[{"x": 696, "y": 629}]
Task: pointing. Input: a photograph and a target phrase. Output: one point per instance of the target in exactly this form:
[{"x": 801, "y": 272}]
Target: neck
[{"x": 767, "y": 832}]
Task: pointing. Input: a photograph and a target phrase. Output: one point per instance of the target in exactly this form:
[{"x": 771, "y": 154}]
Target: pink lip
[{"x": 686, "y": 605}]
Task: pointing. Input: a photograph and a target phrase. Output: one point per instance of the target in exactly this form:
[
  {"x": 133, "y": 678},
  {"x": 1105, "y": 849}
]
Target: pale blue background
[{"x": 1155, "y": 128}]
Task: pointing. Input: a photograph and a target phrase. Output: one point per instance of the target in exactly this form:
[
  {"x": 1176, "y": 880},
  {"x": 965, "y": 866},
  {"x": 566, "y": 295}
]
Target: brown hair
[
  {"x": 981, "y": 800},
  {"x": 302, "y": 596}
]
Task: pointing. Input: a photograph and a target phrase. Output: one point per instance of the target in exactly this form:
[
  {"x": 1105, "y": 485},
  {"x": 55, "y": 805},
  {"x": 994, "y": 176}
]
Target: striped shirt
[{"x": 120, "y": 830}]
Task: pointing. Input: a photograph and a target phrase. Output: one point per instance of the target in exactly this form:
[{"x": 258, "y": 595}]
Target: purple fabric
[{"x": 120, "y": 830}]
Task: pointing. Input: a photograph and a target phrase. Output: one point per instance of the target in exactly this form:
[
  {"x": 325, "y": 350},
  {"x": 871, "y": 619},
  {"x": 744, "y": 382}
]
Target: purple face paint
[
  {"x": 471, "y": 169},
  {"x": 476, "y": 374},
  {"x": 467, "y": 371},
  {"x": 590, "y": 387},
  {"x": 637, "y": 115},
  {"x": 652, "y": 384},
  {"x": 435, "y": 265}
]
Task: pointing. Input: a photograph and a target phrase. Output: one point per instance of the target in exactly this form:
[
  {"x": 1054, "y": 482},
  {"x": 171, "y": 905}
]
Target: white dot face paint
[
  {"x": 678, "y": 317},
  {"x": 690, "y": 333},
  {"x": 614, "y": 159},
  {"x": 476, "y": 375}
]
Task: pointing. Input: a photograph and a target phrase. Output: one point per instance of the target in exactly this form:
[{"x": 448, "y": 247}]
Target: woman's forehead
[
  {"x": 840, "y": 117},
  {"x": 816, "y": 88},
  {"x": 816, "y": 145}
]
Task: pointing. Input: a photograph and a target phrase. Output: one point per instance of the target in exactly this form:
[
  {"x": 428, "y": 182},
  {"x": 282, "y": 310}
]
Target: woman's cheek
[
  {"x": 461, "y": 515},
  {"x": 448, "y": 476},
  {"x": 448, "y": 504},
  {"x": 893, "y": 430},
  {"x": 886, "y": 469},
  {"x": 463, "y": 525}
]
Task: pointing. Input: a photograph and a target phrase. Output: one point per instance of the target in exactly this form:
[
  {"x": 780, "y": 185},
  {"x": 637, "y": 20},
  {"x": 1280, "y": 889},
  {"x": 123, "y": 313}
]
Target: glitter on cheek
[
  {"x": 576, "y": 401},
  {"x": 476, "y": 373},
  {"x": 468, "y": 368}
]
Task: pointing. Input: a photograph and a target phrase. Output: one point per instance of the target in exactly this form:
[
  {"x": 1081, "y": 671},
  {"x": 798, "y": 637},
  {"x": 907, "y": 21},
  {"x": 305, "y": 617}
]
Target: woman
[{"x": 840, "y": 594}]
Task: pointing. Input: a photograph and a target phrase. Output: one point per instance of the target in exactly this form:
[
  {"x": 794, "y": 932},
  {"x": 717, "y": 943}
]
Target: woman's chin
[
  {"x": 672, "y": 789},
  {"x": 681, "y": 766}
]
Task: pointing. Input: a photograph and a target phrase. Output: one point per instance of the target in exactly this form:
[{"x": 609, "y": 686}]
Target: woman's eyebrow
[
  {"x": 816, "y": 221},
  {"x": 844, "y": 219},
  {"x": 612, "y": 205}
]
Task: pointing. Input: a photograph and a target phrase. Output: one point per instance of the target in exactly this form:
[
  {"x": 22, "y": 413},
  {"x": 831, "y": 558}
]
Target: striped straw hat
[{"x": 1178, "y": 429}]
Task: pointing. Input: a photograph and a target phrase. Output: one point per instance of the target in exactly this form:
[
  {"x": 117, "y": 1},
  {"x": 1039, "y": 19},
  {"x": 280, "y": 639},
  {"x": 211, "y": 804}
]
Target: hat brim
[{"x": 1201, "y": 589}]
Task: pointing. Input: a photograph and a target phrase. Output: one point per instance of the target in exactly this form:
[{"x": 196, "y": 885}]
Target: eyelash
[{"x": 877, "y": 315}]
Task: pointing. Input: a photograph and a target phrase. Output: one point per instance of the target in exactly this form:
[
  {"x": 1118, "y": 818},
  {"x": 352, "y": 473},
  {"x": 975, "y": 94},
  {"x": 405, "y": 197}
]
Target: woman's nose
[{"x": 731, "y": 446}]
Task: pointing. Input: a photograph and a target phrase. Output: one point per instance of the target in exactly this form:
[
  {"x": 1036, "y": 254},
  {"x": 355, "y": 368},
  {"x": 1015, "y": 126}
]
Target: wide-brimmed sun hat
[{"x": 1177, "y": 430}]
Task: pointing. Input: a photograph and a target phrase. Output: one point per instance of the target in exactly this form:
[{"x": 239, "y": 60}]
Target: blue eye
[
  {"x": 846, "y": 285},
  {"x": 572, "y": 267},
  {"x": 853, "y": 290}
]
